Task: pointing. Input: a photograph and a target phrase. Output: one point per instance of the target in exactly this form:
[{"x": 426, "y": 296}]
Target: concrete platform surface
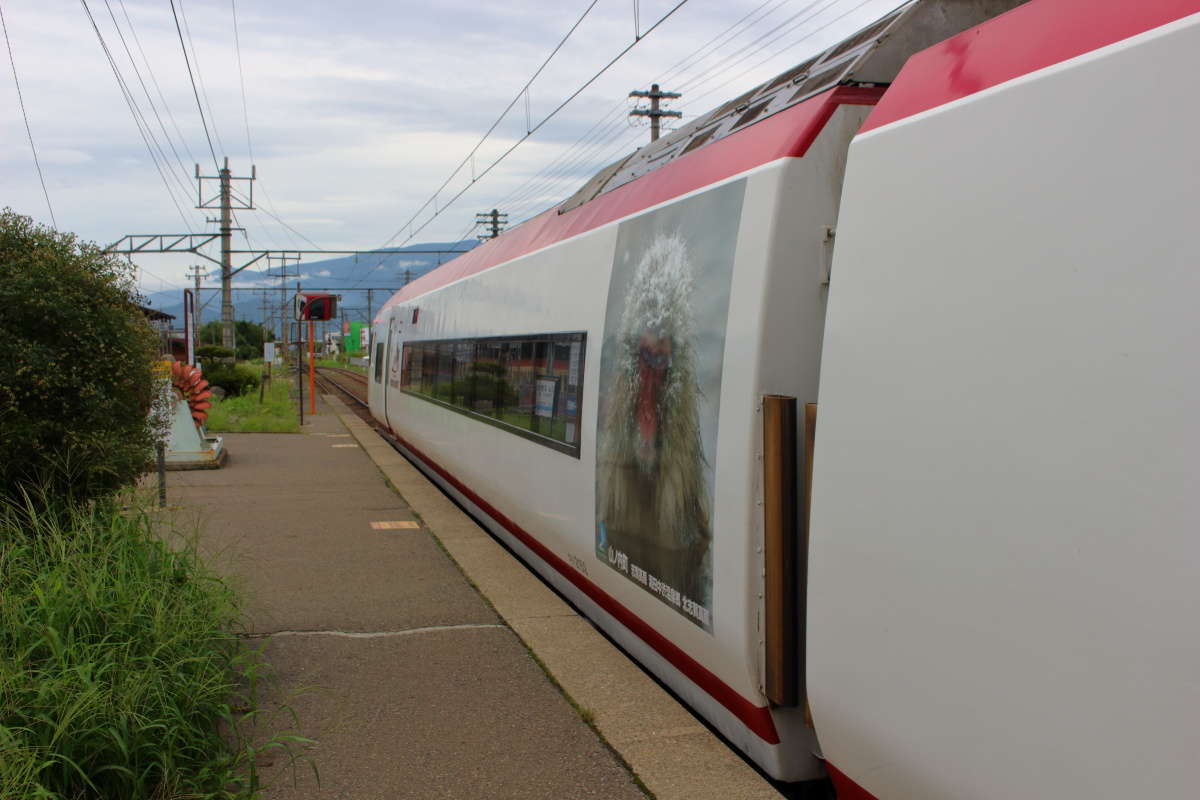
[
  {"x": 408, "y": 681},
  {"x": 672, "y": 753}
]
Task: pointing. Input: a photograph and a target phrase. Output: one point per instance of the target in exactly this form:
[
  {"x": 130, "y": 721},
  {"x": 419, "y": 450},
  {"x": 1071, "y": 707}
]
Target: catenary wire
[
  {"x": 530, "y": 133},
  {"x": 28, "y": 131},
  {"x": 133, "y": 110},
  {"x": 200, "y": 78},
  {"x": 499, "y": 119},
  {"x": 195, "y": 92},
  {"x": 186, "y": 182}
]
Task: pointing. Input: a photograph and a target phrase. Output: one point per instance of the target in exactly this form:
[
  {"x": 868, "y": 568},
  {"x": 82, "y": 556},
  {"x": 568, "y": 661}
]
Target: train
[{"x": 861, "y": 410}]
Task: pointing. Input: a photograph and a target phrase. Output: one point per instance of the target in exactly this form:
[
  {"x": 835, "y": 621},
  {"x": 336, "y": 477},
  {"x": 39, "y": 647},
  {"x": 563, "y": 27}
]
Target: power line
[
  {"x": 200, "y": 77},
  {"x": 237, "y": 43},
  {"x": 534, "y": 129},
  {"x": 157, "y": 88},
  {"x": 129, "y": 54},
  {"x": 522, "y": 93},
  {"x": 28, "y": 130},
  {"x": 133, "y": 110},
  {"x": 192, "y": 78}
]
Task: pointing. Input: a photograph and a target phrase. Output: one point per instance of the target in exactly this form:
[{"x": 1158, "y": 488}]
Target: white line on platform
[{"x": 372, "y": 634}]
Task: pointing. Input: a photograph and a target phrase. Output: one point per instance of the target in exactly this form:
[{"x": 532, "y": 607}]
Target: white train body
[{"x": 1002, "y": 553}]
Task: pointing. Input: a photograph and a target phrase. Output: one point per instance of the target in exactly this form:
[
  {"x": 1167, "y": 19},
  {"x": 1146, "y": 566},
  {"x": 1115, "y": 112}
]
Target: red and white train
[{"x": 964, "y": 240}]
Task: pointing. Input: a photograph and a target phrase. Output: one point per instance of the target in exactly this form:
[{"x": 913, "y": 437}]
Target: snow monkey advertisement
[{"x": 660, "y": 379}]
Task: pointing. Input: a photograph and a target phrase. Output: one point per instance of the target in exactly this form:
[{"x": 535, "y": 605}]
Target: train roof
[{"x": 961, "y": 47}]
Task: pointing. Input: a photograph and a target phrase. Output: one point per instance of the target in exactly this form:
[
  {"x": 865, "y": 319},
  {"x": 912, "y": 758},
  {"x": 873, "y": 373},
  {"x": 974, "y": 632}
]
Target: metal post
[
  {"x": 226, "y": 258},
  {"x": 162, "y": 474},
  {"x": 312, "y": 373}
]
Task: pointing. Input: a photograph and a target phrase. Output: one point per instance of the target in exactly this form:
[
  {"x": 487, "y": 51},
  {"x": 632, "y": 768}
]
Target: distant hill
[{"x": 346, "y": 275}]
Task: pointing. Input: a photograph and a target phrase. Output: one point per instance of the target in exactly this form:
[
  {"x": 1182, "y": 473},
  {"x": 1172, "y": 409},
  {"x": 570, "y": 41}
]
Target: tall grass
[
  {"x": 119, "y": 674},
  {"x": 245, "y": 414}
]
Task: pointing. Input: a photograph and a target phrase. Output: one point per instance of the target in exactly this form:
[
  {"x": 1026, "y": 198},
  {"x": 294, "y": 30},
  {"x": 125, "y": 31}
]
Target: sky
[{"x": 355, "y": 114}]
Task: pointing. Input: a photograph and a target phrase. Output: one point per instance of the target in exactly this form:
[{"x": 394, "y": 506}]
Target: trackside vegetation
[
  {"x": 121, "y": 673},
  {"x": 244, "y": 413},
  {"x": 76, "y": 366}
]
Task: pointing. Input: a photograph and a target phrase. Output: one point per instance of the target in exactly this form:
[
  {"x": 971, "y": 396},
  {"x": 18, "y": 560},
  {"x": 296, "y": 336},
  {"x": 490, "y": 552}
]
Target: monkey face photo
[{"x": 660, "y": 373}]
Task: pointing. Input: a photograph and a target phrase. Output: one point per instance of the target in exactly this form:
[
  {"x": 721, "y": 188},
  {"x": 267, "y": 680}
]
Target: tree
[
  {"x": 76, "y": 366},
  {"x": 248, "y": 337}
]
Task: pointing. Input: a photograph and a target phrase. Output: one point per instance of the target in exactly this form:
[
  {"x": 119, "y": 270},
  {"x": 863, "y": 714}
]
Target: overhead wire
[
  {"x": 499, "y": 119},
  {"x": 134, "y": 111},
  {"x": 192, "y": 78},
  {"x": 200, "y": 77},
  {"x": 154, "y": 80},
  {"x": 793, "y": 44},
  {"x": 531, "y": 131},
  {"x": 579, "y": 154},
  {"x": 237, "y": 43},
  {"x": 186, "y": 183},
  {"x": 28, "y": 131}
]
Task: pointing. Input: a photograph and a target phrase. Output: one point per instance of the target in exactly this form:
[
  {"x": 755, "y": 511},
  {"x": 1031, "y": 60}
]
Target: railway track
[{"x": 347, "y": 383}]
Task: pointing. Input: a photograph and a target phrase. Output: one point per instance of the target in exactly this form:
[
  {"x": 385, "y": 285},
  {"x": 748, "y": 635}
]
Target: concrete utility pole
[
  {"x": 654, "y": 112},
  {"x": 494, "y": 220},
  {"x": 226, "y": 202},
  {"x": 196, "y": 274}
]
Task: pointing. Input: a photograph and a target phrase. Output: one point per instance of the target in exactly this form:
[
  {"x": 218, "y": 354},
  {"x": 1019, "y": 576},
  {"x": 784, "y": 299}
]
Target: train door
[{"x": 387, "y": 366}]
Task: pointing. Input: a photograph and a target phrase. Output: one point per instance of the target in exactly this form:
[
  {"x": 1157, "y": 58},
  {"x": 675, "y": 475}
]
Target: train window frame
[
  {"x": 499, "y": 414},
  {"x": 378, "y": 360}
]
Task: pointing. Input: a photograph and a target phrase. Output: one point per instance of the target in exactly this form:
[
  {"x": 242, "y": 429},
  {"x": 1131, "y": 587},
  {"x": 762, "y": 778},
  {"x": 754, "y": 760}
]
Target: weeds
[
  {"x": 119, "y": 673},
  {"x": 244, "y": 414}
]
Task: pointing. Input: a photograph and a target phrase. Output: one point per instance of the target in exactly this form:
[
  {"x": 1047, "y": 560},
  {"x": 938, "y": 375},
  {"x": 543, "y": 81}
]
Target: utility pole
[
  {"x": 197, "y": 273},
  {"x": 370, "y": 307},
  {"x": 494, "y": 220},
  {"x": 284, "y": 259},
  {"x": 654, "y": 112},
  {"x": 226, "y": 202}
]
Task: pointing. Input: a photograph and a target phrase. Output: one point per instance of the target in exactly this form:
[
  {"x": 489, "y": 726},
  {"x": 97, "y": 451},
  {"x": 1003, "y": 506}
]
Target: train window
[
  {"x": 529, "y": 385},
  {"x": 378, "y": 362}
]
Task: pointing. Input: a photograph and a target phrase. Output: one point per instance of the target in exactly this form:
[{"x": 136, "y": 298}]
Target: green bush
[
  {"x": 213, "y": 351},
  {"x": 235, "y": 379},
  {"x": 76, "y": 366},
  {"x": 118, "y": 668}
]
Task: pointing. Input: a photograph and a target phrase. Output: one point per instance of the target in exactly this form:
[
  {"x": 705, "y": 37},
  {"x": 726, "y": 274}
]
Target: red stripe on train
[
  {"x": 756, "y": 718},
  {"x": 787, "y": 134},
  {"x": 1034, "y": 36},
  {"x": 846, "y": 788}
]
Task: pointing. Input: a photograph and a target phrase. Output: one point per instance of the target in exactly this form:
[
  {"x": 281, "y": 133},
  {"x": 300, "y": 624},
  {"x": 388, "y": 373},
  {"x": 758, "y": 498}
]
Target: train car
[{"x": 960, "y": 239}]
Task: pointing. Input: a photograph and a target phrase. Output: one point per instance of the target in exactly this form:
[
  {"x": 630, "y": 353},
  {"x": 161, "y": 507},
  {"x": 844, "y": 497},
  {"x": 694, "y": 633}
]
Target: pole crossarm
[
  {"x": 258, "y": 257},
  {"x": 138, "y": 243}
]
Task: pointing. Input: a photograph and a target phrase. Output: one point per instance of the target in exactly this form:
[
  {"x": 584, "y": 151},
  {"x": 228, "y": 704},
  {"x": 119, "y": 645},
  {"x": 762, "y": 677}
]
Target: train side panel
[
  {"x": 543, "y": 503},
  {"x": 1004, "y": 553}
]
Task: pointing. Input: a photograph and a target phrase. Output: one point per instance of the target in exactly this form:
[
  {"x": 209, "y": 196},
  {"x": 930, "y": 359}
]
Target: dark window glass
[
  {"x": 530, "y": 385},
  {"x": 378, "y": 362}
]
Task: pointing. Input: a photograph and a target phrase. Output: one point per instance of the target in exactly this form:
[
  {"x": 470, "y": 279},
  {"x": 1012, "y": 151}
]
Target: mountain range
[{"x": 348, "y": 276}]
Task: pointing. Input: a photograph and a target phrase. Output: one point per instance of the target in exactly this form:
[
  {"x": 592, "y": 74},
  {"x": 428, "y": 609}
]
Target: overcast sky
[{"x": 356, "y": 112}]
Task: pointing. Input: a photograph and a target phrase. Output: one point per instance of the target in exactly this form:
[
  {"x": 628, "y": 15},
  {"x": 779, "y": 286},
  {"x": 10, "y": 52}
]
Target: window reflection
[{"x": 530, "y": 385}]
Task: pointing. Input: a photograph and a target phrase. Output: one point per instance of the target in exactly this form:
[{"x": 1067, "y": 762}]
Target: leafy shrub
[
  {"x": 76, "y": 366},
  {"x": 213, "y": 351},
  {"x": 235, "y": 379}
]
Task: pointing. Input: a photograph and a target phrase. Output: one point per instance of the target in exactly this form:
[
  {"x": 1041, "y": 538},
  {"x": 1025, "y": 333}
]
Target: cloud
[{"x": 356, "y": 112}]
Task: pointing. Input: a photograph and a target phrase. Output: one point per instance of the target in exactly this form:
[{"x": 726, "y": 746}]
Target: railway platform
[{"x": 420, "y": 657}]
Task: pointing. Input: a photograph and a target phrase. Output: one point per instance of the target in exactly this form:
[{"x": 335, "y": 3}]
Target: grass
[
  {"x": 342, "y": 362},
  {"x": 119, "y": 671},
  {"x": 244, "y": 414}
]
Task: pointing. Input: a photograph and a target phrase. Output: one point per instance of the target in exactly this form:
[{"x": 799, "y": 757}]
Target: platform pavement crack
[{"x": 371, "y": 634}]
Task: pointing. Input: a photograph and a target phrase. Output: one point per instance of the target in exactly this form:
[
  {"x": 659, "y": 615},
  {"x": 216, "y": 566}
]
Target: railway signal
[{"x": 315, "y": 307}]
